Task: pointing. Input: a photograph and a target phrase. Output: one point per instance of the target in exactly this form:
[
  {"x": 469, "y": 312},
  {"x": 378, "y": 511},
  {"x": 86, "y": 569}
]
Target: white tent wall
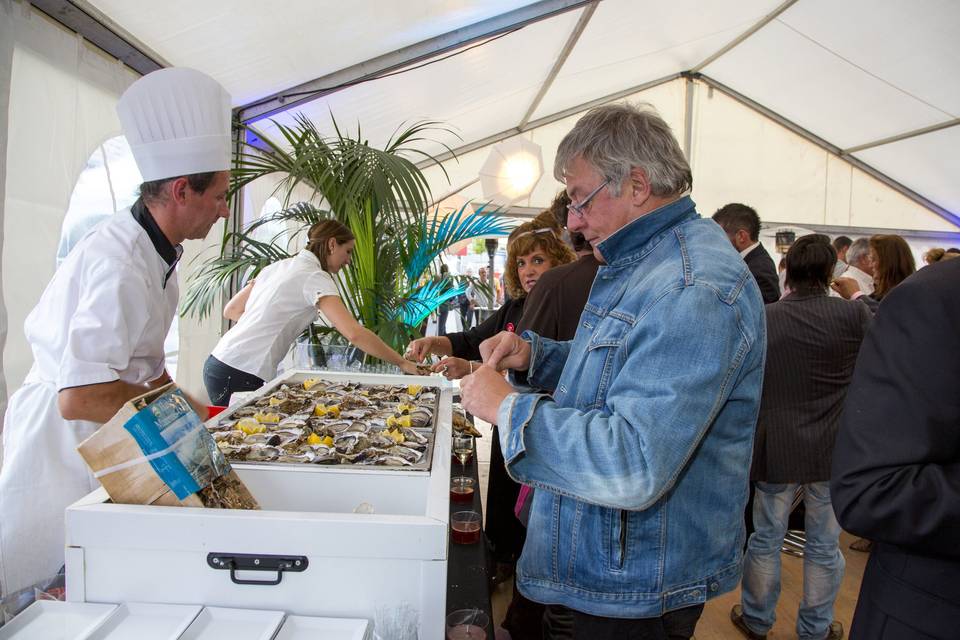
[
  {"x": 62, "y": 98},
  {"x": 738, "y": 155}
]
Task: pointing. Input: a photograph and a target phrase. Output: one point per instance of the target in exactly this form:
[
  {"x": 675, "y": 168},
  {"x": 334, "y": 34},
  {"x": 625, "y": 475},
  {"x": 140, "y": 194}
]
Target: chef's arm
[
  {"x": 358, "y": 335},
  {"x": 97, "y": 402},
  {"x": 238, "y": 303}
]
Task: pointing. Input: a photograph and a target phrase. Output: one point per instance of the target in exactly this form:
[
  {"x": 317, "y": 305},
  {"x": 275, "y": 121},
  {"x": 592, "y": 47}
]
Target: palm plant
[{"x": 390, "y": 285}]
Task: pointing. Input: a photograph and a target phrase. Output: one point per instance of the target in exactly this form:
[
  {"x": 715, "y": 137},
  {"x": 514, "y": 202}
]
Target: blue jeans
[{"x": 822, "y": 561}]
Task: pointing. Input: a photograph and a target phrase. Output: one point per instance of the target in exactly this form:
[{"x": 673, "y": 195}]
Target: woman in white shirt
[{"x": 286, "y": 298}]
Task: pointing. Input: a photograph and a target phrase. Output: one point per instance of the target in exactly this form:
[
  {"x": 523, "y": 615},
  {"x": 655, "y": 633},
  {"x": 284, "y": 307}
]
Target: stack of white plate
[{"x": 53, "y": 620}]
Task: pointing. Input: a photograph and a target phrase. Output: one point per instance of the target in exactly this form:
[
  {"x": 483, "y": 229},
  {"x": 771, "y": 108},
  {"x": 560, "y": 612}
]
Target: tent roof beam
[
  {"x": 831, "y": 148},
  {"x": 533, "y": 124},
  {"x": 96, "y": 29},
  {"x": 561, "y": 60},
  {"x": 395, "y": 60},
  {"x": 764, "y": 21},
  {"x": 903, "y": 136}
]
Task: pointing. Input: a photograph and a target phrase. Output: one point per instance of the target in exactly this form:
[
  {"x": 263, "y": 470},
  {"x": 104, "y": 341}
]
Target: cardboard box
[{"x": 155, "y": 450}]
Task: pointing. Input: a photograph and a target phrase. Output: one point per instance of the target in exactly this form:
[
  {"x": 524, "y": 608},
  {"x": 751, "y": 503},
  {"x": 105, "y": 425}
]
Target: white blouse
[{"x": 281, "y": 305}]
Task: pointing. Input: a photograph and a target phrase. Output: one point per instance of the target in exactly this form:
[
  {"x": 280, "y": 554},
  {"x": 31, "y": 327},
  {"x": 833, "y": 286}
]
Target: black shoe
[{"x": 736, "y": 617}]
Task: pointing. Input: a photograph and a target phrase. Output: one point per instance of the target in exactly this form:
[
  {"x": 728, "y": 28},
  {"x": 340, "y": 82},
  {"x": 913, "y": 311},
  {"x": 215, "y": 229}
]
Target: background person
[
  {"x": 891, "y": 261},
  {"x": 841, "y": 244},
  {"x": 860, "y": 265},
  {"x": 742, "y": 226},
  {"x": 285, "y": 299},
  {"x": 812, "y": 344},
  {"x": 97, "y": 332}
]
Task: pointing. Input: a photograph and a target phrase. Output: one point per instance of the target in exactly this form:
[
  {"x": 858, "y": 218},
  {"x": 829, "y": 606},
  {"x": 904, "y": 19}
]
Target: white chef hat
[{"x": 177, "y": 122}]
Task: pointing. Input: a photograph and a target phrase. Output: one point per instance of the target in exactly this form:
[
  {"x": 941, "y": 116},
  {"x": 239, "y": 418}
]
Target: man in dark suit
[
  {"x": 896, "y": 464},
  {"x": 742, "y": 225},
  {"x": 812, "y": 344}
]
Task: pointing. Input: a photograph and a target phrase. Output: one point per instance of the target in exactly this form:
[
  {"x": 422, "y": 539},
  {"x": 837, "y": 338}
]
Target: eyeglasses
[{"x": 580, "y": 209}]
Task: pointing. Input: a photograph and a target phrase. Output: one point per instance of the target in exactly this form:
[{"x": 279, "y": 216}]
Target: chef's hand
[
  {"x": 410, "y": 368},
  {"x": 506, "y": 350},
  {"x": 418, "y": 349},
  {"x": 453, "y": 368},
  {"x": 846, "y": 287},
  {"x": 482, "y": 392}
]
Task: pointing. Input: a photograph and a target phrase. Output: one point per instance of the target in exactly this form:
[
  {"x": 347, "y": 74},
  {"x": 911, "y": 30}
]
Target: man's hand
[
  {"x": 452, "y": 368},
  {"x": 482, "y": 393},
  {"x": 410, "y": 368},
  {"x": 506, "y": 350},
  {"x": 846, "y": 287},
  {"x": 418, "y": 349}
]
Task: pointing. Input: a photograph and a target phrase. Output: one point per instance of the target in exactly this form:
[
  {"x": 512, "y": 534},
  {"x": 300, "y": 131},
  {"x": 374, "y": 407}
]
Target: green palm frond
[
  {"x": 436, "y": 234},
  {"x": 380, "y": 194}
]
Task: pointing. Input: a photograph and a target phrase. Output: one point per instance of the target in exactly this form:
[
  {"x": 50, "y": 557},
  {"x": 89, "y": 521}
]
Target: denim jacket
[{"x": 641, "y": 458}]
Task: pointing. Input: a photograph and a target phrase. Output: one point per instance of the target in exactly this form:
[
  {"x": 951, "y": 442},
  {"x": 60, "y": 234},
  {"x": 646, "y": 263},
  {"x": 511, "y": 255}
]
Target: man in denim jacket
[{"x": 641, "y": 456}]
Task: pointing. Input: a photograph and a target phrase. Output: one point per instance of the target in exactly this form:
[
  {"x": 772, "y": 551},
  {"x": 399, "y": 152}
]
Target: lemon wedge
[
  {"x": 309, "y": 383},
  {"x": 395, "y": 435},
  {"x": 414, "y": 389},
  {"x": 333, "y": 411},
  {"x": 250, "y": 425},
  {"x": 320, "y": 411},
  {"x": 275, "y": 401},
  {"x": 268, "y": 418}
]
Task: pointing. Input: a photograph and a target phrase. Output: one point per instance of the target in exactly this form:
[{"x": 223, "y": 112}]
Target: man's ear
[
  {"x": 178, "y": 190},
  {"x": 639, "y": 185}
]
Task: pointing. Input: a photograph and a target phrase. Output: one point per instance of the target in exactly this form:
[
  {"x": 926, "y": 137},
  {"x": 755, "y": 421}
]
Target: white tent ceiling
[{"x": 872, "y": 81}]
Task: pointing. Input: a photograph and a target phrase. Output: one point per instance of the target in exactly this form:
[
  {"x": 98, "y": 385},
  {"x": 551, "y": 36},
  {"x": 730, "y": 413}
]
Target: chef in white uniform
[{"x": 97, "y": 333}]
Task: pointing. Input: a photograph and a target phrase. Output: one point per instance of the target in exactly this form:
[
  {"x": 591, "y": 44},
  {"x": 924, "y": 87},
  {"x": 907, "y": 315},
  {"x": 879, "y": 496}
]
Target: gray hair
[
  {"x": 615, "y": 138},
  {"x": 858, "y": 249}
]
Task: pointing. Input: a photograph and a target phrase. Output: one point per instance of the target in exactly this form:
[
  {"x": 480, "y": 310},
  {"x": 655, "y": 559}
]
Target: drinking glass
[{"x": 463, "y": 449}]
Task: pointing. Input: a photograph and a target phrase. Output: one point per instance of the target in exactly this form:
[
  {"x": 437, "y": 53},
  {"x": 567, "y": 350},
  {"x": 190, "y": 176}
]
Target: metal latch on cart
[{"x": 234, "y": 562}]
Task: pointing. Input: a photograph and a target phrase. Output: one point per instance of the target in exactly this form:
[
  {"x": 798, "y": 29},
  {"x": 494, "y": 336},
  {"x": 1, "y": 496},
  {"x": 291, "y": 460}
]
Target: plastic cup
[
  {"x": 465, "y": 527},
  {"x": 467, "y": 624},
  {"x": 461, "y": 489}
]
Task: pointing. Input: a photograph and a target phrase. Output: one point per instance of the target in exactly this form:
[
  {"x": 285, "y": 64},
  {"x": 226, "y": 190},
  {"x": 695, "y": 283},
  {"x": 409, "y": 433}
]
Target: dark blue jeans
[{"x": 221, "y": 380}]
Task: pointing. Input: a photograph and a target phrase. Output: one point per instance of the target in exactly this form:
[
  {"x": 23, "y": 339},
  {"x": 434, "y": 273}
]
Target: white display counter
[{"x": 340, "y": 563}]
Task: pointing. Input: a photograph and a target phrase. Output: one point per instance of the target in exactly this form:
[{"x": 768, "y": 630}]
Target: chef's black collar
[{"x": 170, "y": 253}]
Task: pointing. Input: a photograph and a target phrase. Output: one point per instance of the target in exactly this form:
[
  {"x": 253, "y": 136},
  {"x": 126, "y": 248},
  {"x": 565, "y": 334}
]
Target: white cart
[{"x": 308, "y": 552}]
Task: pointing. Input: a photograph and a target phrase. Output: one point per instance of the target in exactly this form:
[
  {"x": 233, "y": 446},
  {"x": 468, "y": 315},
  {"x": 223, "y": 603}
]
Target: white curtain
[{"x": 57, "y": 104}]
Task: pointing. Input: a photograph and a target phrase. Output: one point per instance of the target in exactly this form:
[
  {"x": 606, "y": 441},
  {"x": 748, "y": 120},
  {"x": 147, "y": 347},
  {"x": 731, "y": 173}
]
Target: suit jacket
[
  {"x": 554, "y": 306},
  {"x": 896, "y": 463},
  {"x": 812, "y": 345},
  {"x": 764, "y": 272}
]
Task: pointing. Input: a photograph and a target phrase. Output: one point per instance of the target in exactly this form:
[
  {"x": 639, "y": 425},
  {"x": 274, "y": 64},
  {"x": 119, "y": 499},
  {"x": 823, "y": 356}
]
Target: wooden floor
[{"x": 715, "y": 622}]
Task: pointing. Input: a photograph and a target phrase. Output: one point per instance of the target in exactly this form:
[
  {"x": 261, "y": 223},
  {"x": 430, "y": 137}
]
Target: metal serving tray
[{"x": 443, "y": 387}]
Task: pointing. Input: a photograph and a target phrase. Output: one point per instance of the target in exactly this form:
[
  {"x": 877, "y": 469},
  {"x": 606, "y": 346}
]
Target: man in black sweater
[{"x": 742, "y": 225}]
